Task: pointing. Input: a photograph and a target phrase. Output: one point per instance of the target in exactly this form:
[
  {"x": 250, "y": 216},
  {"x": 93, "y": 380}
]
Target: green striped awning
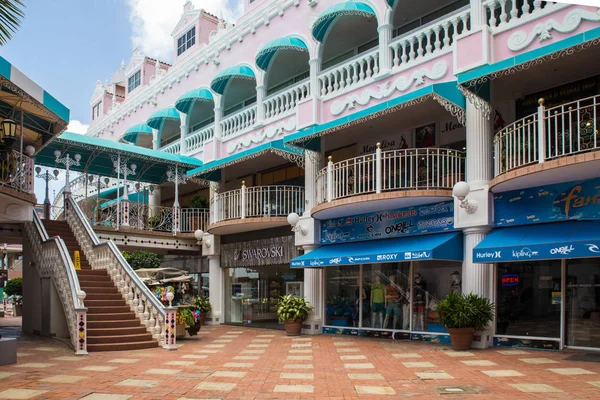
[
  {"x": 326, "y": 20},
  {"x": 219, "y": 83},
  {"x": 186, "y": 101},
  {"x": 158, "y": 118},
  {"x": 268, "y": 52}
]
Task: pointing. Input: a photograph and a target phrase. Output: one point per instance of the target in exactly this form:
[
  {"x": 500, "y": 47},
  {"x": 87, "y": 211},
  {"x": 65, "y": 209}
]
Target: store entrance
[
  {"x": 582, "y": 305},
  {"x": 252, "y": 294}
]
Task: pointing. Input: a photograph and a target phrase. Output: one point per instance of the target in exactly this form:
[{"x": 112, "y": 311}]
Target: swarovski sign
[{"x": 255, "y": 253}]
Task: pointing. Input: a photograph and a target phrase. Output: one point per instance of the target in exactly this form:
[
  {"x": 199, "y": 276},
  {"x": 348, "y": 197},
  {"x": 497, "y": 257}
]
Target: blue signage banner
[
  {"x": 431, "y": 218},
  {"x": 578, "y": 200},
  {"x": 550, "y": 251}
]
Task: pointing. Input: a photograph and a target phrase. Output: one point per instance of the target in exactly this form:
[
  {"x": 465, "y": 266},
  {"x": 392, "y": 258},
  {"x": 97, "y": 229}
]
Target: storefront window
[
  {"x": 432, "y": 282},
  {"x": 385, "y": 293},
  {"x": 342, "y": 296},
  {"x": 583, "y": 302},
  {"x": 528, "y": 299}
]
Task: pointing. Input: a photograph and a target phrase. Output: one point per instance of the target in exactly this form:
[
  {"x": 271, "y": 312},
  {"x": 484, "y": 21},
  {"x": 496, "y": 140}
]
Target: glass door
[{"x": 582, "y": 305}]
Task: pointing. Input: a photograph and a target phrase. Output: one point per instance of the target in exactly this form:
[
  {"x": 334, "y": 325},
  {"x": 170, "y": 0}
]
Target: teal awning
[
  {"x": 133, "y": 133},
  {"x": 267, "y": 53},
  {"x": 186, "y": 101},
  {"x": 219, "y": 83},
  {"x": 440, "y": 246},
  {"x": 97, "y": 157},
  {"x": 135, "y": 197},
  {"x": 330, "y": 16},
  {"x": 391, "y": 3},
  {"x": 158, "y": 118}
]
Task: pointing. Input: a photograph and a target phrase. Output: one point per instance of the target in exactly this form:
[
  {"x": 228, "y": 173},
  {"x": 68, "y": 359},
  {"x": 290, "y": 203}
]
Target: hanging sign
[
  {"x": 578, "y": 200},
  {"x": 76, "y": 260},
  {"x": 255, "y": 253},
  {"x": 431, "y": 218}
]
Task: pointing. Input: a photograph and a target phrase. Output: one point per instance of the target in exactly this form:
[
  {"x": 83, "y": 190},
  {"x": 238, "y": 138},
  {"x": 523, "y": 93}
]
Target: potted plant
[
  {"x": 292, "y": 311},
  {"x": 463, "y": 315},
  {"x": 202, "y": 303},
  {"x": 189, "y": 319}
]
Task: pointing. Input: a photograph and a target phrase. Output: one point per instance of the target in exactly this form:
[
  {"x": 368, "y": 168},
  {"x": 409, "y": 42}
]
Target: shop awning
[
  {"x": 575, "y": 239},
  {"x": 268, "y": 52},
  {"x": 186, "y": 101},
  {"x": 219, "y": 82},
  {"x": 158, "y": 118},
  {"x": 328, "y": 17},
  {"x": 133, "y": 133},
  {"x": 443, "y": 246}
]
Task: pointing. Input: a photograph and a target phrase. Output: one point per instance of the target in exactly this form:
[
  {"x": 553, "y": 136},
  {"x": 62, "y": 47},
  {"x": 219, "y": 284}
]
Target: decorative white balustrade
[
  {"x": 172, "y": 148},
  {"x": 239, "y": 122},
  {"x": 16, "y": 172},
  {"x": 257, "y": 201},
  {"x": 503, "y": 13},
  {"x": 426, "y": 42},
  {"x": 349, "y": 74},
  {"x": 284, "y": 102},
  {"x": 550, "y": 133},
  {"x": 194, "y": 143},
  {"x": 158, "y": 319},
  {"x": 409, "y": 169},
  {"x": 52, "y": 260}
]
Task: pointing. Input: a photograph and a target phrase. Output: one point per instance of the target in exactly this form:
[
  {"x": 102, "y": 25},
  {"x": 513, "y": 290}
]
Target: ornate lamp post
[
  {"x": 68, "y": 162},
  {"x": 177, "y": 176},
  {"x": 120, "y": 165},
  {"x": 46, "y": 176}
]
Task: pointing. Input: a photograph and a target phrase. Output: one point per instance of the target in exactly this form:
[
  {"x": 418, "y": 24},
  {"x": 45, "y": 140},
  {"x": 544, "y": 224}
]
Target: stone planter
[
  {"x": 293, "y": 328},
  {"x": 461, "y": 338}
]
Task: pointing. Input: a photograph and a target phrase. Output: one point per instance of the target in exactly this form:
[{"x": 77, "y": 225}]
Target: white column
[
  {"x": 184, "y": 129},
  {"x": 218, "y": 134},
  {"x": 154, "y": 201},
  {"x": 312, "y": 164},
  {"x": 155, "y": 139},
  {"x": 476, "y": 276},
  {"x": 215, "y": 288},
  {"x": 385, "y": 54},
  {"x": 315, "y": 68},
  {"x": 479, "y": 145},
  {"x": 261, "y": 92},
  {"x": 313, "y": 293},
  {"x": 477, "y": 15}
]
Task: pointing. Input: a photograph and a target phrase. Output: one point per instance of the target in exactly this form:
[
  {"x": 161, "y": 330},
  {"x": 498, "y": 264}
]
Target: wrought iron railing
[{"x": 16, "y": 171}]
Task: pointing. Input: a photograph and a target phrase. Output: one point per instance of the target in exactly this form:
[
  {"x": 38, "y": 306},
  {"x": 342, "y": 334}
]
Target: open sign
[{"x": 510, "y": 279}]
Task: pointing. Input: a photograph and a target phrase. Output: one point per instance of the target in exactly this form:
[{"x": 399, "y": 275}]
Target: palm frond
[{"x": 11, "y": 13}]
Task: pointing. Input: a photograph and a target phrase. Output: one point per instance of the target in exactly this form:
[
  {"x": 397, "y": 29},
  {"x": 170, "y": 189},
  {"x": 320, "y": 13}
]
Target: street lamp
[
  {"x": 46, "y": 176},
  {"x": 176, "y": 175},
  {"x": 68, "y": 162},
  {"x": 8, "y": 135}
]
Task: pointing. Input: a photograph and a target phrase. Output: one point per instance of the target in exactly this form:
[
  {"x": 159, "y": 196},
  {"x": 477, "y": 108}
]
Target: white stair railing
[
  {"x": 349, "y": 74},
  {"x": 239, "y": 122},
  {"x": 158, "y": 319},
  {"x": 195, "y": 142},
  {"x": 284, "y": 102},
  {"x": 52, "y": 260}
]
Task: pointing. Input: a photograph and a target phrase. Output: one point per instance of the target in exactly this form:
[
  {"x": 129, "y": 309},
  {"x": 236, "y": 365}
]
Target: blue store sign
[
  {"x": 431, "y": 218},
  {"x": 552, "y": 203}
]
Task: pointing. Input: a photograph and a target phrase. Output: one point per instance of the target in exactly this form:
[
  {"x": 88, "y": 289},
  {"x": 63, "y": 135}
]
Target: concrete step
[
  {"x": 104, "y": 316},
  {"x": 101, "y": 290},
  {"x": 116, "y": 331},
  {"x": 102, "y": 296},
  {"x": 107, "y": 309},
  {"x": 92, "y": 303},
  {"x": 149, "y": 344},
  {"x": 119, "y": 339},
  {"x": 127, "y": 323}
]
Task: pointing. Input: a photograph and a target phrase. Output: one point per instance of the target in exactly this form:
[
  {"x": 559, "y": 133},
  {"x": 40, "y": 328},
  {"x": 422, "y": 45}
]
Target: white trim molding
[{"x": 267, "y": 133}]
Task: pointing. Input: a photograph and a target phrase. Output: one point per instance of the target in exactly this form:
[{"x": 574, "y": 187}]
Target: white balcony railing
[
  {"x": 349, "y": 74},
  {"x": 504, "y": 13},
  {"x": 429, "y": 40},
  {"x": 194, "y": 143},
  {"x": 172, "y": 148},
  {"x": 16, "y": 172},
  {"x": 257, "y": 201},
  {"x": 239, "y": 122},
  {"x": 409, "y": 169},
  {"x": 284, "y": 102},
  {"x": 550, "y": 133}
]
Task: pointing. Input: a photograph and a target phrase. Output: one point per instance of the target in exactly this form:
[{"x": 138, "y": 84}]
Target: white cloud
[
  {"x": 154, "y": 20},
  {"x": 76, "y": 126}
]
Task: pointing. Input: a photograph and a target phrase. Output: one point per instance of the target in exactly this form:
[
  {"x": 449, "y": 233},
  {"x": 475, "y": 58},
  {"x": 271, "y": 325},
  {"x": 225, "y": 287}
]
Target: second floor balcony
[{"x": 17, "y": 173}]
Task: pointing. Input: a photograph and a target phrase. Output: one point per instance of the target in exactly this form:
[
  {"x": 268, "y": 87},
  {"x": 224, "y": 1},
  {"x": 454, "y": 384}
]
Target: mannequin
[
  {"x": 356, "y": 312},
  {"x": 377, "y": 302},
  {"x": 419, "y": 305},
  {"x": 392, "y": 298},
  {"x": 455, "y": 287}
]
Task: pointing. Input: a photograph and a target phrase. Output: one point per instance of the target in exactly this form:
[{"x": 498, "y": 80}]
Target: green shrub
[
  {"x": 292, "y": 308},
  {"x": 198, "y": 201},
  {"x": 465, "y": 311},
  {"x": 14, "y": 287},
  {"x": 202, "y": 303},
  {"x": 141, "y": 259}
]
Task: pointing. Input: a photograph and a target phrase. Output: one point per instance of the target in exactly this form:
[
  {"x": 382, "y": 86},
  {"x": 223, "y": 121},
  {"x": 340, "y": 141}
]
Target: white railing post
[
  {"x": 329, "y": 180},
  {"x": 81, "y": 325},
  {"x": 261, "y": 90},
  {"x": 243, "y": 199},
  {"x": 385, "y": 52},
  {"x": 378, "y": 169},
  {"x": 170, "y": 342},
  {"x": 541, "y": 131}
]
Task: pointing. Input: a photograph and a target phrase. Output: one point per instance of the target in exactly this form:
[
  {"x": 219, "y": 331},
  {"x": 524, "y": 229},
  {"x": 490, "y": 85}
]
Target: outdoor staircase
[{"x": 111, "y": 325}]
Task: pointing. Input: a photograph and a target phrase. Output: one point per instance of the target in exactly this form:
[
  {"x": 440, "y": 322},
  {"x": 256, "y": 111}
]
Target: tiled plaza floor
[{"x": 242, "y": 363}]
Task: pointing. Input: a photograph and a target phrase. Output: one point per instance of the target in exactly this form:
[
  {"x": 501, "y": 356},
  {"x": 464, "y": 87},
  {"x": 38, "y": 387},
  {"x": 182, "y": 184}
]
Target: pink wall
[{"x": 470, "y": 52}]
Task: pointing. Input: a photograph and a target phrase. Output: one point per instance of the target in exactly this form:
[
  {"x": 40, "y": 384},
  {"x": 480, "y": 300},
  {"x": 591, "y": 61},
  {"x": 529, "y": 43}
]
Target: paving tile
[
  {"x": 124, "y": 360},
  {"x": 433, "y": 375},
  {"x": 502, "y": 373},
  {"x": 162, "y": 371},
  {"x": 596, "y": 383},
  {"x": 21, "y": 393},
  {"x": 63, "y": 379},
  {"x": 406, "y": 355},
  {"x": 103, "y": 396},
  {"x": 6, "y": 374},
  {"x": 459, "y": 353},
  {"x": 353, "y": 357},
  {"x": 513, "y": 352},
  {"x": 297, "y": 375},
  {"x": 196, "y": 356},
  {"x": 43, "y": 348},
  {"x": 375, "y": 390},
  {"x": 534, "y": 388},
  {"x": 207, "y": 351},
  {"x": 302, "y": 340},
  {"x": 261, "y": 341},
  {"x": 215, "y": 386},
  {"x": 294, "y": 389},
  {"x": 234, "y": 332},
  {"x": 265, "y": 336},
  {"x": 98, "y": 368},
  {"x": 35, "y": 365},
  {"x": 246, "y": 358},
  {"x": 299, "y": 358},
  {"x": 359, "y": 366},
  {"x": 418, "y": 364},
  {"x": 180, "y": 363},
  {"x": 228, "y": 337},
  {"x": 300, "y": 345},
  {"x": 571, "y": 371},
  {"x": 478, "y": 363},
  {"x": 238, "y": 365},
  {"x": 215, "y": 346},
  {"x": 223, "y": 341},
  {"x": 258, "y": 345},
  {"x": 137, "y": 383},
  {"x": 298, "y": 366},
  {"x": 365, "y": 376},
  {"x": 23, "y": 354},
  {"x": 538, "y": 361},
  {"x": 69, "y": 358},
  {"x": 344, "y": 343},
  {"x": 300, "y": 351},
  {"x": 252, "y": 352},
  {"x": 354, "y": 350},
  {"x": 228, "y": 374}
]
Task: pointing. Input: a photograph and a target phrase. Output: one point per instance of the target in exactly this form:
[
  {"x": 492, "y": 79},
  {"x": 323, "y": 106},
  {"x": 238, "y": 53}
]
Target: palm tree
[{"x": 11, "y": 12}]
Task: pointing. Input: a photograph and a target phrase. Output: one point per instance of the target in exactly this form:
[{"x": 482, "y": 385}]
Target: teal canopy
[
  {"x": 187, "y": 100},
  {"x": 98, "y": 156},
  {"x": 330, "y": 16},
  {"x": 133, "y": 133},
  {"x": 158, "y": 118},
  {"x": 391, "y": 3},
  {"x": 135, "y": 197},
  {"x": 219, "y": 83},
  {"x": 270, "y": 50}
]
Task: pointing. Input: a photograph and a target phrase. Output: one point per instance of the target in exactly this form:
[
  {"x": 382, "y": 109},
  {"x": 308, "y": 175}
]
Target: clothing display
[{"x": 377, "y": 302}]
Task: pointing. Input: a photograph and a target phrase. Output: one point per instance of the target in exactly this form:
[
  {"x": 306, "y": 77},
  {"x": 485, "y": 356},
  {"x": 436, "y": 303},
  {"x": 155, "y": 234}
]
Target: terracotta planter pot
[
  {"x": 461, "y": 338},
  {"x": 293, "y": 328},
  {"x": 202, "y": 317}
]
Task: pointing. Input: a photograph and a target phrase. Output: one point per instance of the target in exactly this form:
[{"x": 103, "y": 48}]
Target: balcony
[
  {"x": 547, "y": 146},
  {"x": 254, "y": 208},
  {"x": 386, "y": 180},
  {"x": 16, "y": 175}
]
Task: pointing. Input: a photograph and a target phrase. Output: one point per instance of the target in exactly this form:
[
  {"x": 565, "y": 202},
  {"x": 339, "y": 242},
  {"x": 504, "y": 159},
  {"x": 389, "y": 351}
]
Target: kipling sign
[{"x": 254, "y": 253}]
